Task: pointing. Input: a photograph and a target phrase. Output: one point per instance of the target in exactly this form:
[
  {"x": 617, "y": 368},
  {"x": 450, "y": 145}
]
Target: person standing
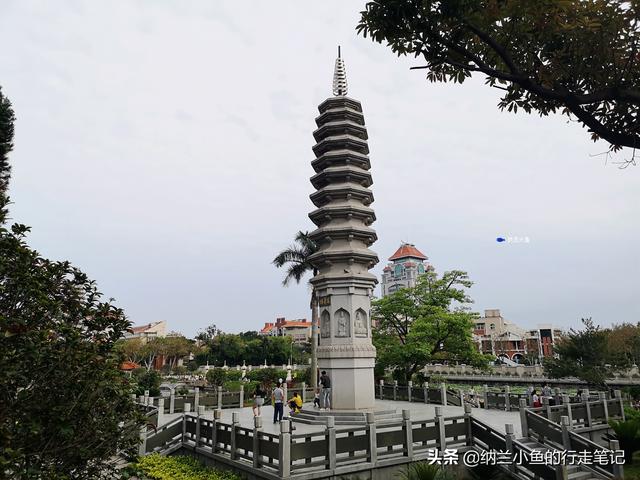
[
  {"x": 325, "y": 381},
  {"x": 277, "y": 398},
  {"x": 258, "y": 400}
]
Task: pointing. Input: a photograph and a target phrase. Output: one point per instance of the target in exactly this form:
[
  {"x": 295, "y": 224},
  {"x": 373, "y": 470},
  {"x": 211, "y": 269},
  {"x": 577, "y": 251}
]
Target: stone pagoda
[{"x": 343, "y": 216}]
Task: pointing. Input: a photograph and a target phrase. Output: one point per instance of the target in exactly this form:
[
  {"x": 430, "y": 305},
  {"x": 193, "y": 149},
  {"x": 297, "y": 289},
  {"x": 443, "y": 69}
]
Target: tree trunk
[{"x": 314, "y": 340}]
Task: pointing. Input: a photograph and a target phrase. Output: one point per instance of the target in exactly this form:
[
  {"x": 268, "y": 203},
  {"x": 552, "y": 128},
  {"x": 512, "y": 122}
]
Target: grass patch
[{"x": 158, "y": 467}]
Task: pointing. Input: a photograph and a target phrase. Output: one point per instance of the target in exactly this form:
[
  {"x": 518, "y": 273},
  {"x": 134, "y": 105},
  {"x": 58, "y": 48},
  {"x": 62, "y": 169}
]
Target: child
[
  {"x": 316, "y": 398},
  {"x": 295, "y": 403}
]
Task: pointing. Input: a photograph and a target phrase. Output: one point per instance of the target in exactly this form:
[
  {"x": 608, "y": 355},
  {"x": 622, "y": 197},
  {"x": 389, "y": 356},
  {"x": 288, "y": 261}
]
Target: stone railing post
[
  {"x": 547, "y": 406},
  {"x": 257, "y": 428},
  {"x": 425, "y": 387},
  {"x": 172, "y": 402},
  {"x": 220, "y": 397},
  {"x": 467, "y": 422},
  {"x": 443, "y": 393},
  {"x": 373, "y": 440},
  {"x": 509, "y": 438},
  {"x": 330, "y": 438},
  {"x": 442, "y": 436},
  {"x": 142, "y": 447},
  {"x": 556, "y": 395},
  {"x": 523, "y": 418},
  {"x": 409, "y": 387},
  {"x": 485, "y": 394},
  {"x": 160, "y": 411},
  {"x": 217, "y": 415},
  {"x": 241, "y": 396},
  {"x": 618, "y": 470},
  {"x": 196, "y": 399},
  {"x": 134, "y": 398},
  {"x": 408, "y": 433},
  {"x": 142, "y": 400},
  {"x": 585, "y": 399},
  {"x": 461, "y": 393},
  {"x": 284, "y": 449},
  {"x": 566, "y": 439},
  {"x": 507, "y": 398},
  {"x": 199, "y": 415},
  {"x": 381, "y": 389},
  {"x": 618, "y": 395},
  {"x": 235, "y": 420},
  {"x": 146, "y": 397},
  {"x": 286, "y": 393},
  {"x": 304, "y": 392},
  {"x": 605, "y": 406},
  {"x": 566, "y": 401},
  {"x": 187, "y": 409},
  {"x": 395, "y": 390}
]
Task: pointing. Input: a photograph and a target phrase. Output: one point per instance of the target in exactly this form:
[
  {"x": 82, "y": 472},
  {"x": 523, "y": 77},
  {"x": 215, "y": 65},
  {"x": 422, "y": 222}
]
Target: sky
[{"x": 164, "y": 147}]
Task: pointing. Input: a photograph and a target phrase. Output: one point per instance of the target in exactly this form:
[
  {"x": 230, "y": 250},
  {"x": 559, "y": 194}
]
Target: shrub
[
  {"x": 216, "y": 377},
  {"x": 267, "y": 376},
  {"x": 148, "y": 380},
  {"x": 159, "y": 467},
  {"x": 628, "y": 434},
  {"x": 425, "y": 471},
  {"x": 233, "y": 374}
]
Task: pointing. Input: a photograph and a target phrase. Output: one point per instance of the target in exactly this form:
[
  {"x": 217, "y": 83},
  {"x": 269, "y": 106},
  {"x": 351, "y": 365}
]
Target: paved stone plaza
[{"x": 419, "y": 411}]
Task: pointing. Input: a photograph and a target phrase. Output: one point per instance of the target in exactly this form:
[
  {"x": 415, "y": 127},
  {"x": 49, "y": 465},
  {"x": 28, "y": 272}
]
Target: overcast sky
[{"x": 165, "y": 149}]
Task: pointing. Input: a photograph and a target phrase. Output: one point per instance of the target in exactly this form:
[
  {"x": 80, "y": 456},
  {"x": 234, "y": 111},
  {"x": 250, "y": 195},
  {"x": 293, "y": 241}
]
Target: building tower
[
  {"x": 407, "y": 264},
  {"x": 344, "y": 284}
]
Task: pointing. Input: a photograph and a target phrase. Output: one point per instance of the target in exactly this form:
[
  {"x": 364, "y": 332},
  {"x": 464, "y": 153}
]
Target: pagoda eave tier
[
  {"x": 340, "y": 114},
  {"x": 349, "y": 232},
  {"x": 365, "y": 279},
  {"x": 341, "y": 157},
  {"x": 341, "y": 142},
  {"x": 345, "y": 191},
  {"x": 341, "y": 173},
  {"x": 324, "y": 215},
  {"x": 340, "y": 102},
  {"x": 340, "y": 127},
  {"x": 362, "y": 256}
]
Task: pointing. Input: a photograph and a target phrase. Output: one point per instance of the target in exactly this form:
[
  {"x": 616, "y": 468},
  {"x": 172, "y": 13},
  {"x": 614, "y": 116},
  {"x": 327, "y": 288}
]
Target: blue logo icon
[{"x": 500, "y": 239}]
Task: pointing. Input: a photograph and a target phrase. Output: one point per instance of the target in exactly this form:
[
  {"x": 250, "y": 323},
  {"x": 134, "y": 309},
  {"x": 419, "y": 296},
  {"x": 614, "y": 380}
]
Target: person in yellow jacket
[{"x": 295, "y": 403}]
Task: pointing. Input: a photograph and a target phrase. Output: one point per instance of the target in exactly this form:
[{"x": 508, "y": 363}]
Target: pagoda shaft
[{"x": 344, "y": 284}]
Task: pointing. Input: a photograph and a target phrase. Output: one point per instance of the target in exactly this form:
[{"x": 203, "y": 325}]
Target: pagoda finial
[{"x": 339, "y": 77}]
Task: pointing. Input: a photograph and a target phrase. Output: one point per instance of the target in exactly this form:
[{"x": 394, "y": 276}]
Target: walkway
[{"x": 419, "y": 411}]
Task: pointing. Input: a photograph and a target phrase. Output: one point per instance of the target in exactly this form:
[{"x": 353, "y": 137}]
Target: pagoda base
[{"x": 352, "y": 381}]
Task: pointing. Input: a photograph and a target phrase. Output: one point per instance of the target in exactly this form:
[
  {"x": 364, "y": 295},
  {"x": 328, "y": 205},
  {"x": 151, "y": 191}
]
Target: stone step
[{"x": 344, "y": 417}]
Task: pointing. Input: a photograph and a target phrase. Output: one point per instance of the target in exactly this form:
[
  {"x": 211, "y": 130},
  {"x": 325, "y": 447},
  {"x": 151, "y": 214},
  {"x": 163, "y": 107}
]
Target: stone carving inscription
[{"x": 325, "y": 325}]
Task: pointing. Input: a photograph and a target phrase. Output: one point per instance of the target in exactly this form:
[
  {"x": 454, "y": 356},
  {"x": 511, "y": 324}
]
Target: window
[{"x": 492, "y": 326}]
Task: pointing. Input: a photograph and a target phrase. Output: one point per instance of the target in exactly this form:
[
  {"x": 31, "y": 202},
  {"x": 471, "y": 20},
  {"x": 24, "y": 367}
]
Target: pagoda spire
[{"x": 339, "y": 77}]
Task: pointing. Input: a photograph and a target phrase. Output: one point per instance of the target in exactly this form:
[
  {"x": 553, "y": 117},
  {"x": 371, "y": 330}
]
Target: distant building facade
[
  {"x": 497, "y": 336},
  {"x": 407, "y": 264},
  {"x": 148, "y": 331},
  {"x": 299, "y": 329}
]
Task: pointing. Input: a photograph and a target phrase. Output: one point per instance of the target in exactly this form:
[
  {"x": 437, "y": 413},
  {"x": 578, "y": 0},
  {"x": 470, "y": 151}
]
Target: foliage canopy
[
  {"x": 62, "y": 396},
  {"x": 430, "y": 322},
  {"x": 578, "y": 57}
]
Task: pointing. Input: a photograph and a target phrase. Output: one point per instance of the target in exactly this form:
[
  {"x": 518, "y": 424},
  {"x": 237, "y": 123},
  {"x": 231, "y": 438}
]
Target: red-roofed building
[
  {"x": 407, "y": 263},
  {"x": 299, "y": 329}
]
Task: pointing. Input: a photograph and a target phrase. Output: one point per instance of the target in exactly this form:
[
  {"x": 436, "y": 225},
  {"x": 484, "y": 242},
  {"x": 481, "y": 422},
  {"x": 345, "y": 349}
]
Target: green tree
[
  {"x": 297, "y": 260},
  {"x": 62, "y": 395},
  {"x": 427, "y": 323},
  {"x": 577, "y": 57},
  {"x": 585, "y": 354},
  {"x": 147, "y": 380}
]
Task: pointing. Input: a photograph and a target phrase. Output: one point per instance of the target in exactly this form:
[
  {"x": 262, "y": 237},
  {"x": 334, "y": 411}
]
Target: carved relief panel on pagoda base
[{"x": 342, "y": 325}]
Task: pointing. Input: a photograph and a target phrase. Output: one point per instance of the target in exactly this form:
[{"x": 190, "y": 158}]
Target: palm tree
[{"x": 296, "y": 258}]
